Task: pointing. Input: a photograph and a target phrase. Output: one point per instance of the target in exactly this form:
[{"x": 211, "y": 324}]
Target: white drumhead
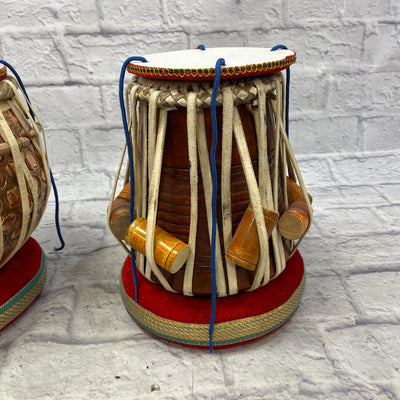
[{"x": 200, "y": 64}]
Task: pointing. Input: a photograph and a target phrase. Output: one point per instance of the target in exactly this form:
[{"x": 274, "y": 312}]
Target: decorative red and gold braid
[
  {"x": 204, "y": 74},
  {"x": 3, "y": 72}
]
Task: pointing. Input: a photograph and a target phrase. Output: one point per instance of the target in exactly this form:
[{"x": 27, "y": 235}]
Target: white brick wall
[
  {"x": 345, "y": 107},
  {"x": 345, "y": 90}
]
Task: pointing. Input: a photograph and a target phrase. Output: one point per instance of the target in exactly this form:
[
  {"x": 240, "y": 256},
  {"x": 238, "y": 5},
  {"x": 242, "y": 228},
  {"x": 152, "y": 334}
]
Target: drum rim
[
  {"x": 3, "y": 72},
  {"x": 208, "y": 74}
]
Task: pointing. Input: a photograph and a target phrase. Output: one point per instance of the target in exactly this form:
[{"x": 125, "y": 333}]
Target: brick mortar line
[
  {"x": 353, "y": 300},
  {"x": 345, "y": 236},
  {"x": 334, "y": 156},
  {"x": 360, "y": 323},
  {"x": 350, "y": 185},
  {"x": 334, "y": 272},
  {"x": 360, "y": 234},
  {"x": 358, "y": 207},
  {"x": 386, "y": 270},
  {"x": 104, "y": 28}
]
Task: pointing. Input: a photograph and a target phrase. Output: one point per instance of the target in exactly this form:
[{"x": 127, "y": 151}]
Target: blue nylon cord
[
  {"x": 220, "y": 62},
  {"x": 130, "y": 156},
  {"x": 53, "y": 183},
  {"x": 277, "y": 47},
  {"x": 57, "y": 213}
]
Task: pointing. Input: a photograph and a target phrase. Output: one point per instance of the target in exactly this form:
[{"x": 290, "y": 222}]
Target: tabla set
[{"x": 208, "y": 201}]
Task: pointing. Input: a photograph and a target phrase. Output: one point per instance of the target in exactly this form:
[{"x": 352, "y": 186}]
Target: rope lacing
[{"x": 53, "y": 183}]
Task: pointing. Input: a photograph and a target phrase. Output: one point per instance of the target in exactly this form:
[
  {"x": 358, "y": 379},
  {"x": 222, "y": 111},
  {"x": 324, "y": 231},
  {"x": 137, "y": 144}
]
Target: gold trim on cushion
[
  {"x": 24, "y": 298},
  {"x": 225, "y": 333}
]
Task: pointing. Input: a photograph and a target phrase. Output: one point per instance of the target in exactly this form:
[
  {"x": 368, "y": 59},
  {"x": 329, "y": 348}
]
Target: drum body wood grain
[
  {"x": 173, "y": 213},
  {"x": 172, "y": 136}
]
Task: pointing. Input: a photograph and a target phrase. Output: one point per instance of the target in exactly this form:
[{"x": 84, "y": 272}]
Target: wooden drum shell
[
  {"x": 173, "y": 213},
  {"x": 171, "y": 130}
]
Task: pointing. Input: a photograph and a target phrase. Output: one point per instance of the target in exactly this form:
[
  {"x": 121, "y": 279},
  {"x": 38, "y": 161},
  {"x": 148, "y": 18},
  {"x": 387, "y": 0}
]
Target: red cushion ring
[
  {"x": 241, "y": 318},
  {"x": 21, "y": 280}
]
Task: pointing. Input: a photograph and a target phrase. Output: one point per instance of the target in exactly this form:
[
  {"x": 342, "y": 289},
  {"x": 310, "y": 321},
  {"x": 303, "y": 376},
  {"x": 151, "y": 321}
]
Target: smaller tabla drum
[
  {"x": 24, "y": 189},
  {"x": 189, "y": 181}
]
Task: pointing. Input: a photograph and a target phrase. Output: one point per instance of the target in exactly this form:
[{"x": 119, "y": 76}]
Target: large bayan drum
[
  {"x": 211, "y": 179},
  {"x": 24, "y": 189}
]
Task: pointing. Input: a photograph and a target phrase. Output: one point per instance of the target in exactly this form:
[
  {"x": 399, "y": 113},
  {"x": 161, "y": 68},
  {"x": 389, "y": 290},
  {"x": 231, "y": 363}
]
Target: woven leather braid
[
  {"x": 174, "y": 93},
  {"x": 6, "y": 91}
]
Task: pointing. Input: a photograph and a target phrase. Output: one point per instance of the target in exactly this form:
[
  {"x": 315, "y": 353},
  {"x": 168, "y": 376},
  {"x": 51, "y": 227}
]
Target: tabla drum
[
  {"x": 212, "y": 173},
  {"x": 24, "y": 189}
]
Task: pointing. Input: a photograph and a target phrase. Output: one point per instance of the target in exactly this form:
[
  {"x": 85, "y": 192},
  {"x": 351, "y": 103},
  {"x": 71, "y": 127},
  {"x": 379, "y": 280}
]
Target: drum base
[
  {"x": 240, "y": 319},
  {"x": 21, "y": 281}
]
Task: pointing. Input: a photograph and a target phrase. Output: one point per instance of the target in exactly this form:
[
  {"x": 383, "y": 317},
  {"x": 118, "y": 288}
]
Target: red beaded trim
[
  {"x": 3, "y": 73},
  {"x": 207, "y": 74}
]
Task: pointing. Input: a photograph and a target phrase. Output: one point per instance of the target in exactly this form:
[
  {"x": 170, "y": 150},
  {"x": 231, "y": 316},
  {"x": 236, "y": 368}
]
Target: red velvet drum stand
[
  {"x": 242, "y": 318},
  {"x": 21, "y": 281}
]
